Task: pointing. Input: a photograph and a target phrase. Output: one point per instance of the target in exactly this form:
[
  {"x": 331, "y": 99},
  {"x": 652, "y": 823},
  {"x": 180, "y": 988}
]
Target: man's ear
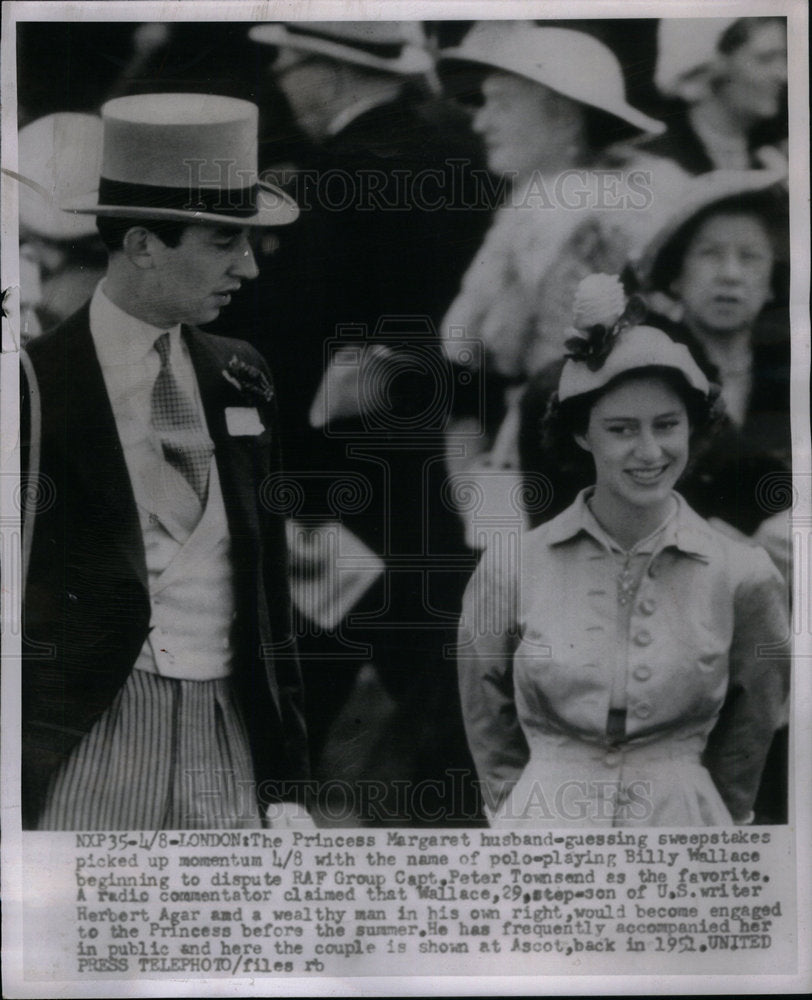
[
  {"x": 582, "y": 442},
  {"x": 139, "y": 245}
]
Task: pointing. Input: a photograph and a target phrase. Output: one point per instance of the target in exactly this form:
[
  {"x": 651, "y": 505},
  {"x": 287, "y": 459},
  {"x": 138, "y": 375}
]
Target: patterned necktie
[{"x": 186, "y": 445}]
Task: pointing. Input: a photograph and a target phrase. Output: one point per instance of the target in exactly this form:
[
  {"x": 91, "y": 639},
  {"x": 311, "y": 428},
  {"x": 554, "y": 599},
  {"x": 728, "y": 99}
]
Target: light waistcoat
[
  {"x": 190, "y": 577},
  {"x": 187, "y": 550}
]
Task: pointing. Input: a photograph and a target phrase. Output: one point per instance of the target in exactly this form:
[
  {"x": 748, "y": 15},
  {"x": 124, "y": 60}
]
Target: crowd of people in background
[{"x": 456, "y": 182}]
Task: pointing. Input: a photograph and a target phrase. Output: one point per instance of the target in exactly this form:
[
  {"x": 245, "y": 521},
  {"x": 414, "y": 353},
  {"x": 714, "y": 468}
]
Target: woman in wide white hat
[
  {"x": 728, "y": 80},
  {"x": 545, "y": 123},
  {"x": 552, "y": 103},
  {"x": 614, "y": 670}
]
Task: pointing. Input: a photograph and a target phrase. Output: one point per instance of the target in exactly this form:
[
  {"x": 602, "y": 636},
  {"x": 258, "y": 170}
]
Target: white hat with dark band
[
  {"x": 610, "y": 340},
  {"x": 636, "y": 348},
  {"x": 187, "y": 157},
  {"x": 397, "y": 47}
]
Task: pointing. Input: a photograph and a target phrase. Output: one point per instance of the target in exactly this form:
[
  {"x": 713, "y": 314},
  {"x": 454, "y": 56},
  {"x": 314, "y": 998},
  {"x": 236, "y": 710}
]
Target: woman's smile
[
  {"x": 648, "y": 476},
  {"x": 638, "y": 436}
]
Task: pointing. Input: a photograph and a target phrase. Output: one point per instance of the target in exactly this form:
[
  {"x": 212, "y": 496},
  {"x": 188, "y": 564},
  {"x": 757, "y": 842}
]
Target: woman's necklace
[{"x": 626, "y": 582}]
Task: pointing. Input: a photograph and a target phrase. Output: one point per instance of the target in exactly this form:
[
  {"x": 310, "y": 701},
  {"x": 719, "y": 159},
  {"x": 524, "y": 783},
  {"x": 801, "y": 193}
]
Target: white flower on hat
[{"x": 599, "y": 299}]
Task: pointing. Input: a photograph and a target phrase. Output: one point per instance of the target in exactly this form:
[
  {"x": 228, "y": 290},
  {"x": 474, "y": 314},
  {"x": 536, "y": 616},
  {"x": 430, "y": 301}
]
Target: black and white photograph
[{"x": 406, "y": 498}]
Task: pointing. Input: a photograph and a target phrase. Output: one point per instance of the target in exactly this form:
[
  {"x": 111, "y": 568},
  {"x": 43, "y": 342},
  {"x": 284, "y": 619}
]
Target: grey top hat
[{"x": 188, "y": 157}]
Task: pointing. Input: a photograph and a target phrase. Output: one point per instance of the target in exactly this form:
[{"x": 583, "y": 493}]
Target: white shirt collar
[
  {"x": 121, "y": 339},
  {"x": 683, "y": 529}
]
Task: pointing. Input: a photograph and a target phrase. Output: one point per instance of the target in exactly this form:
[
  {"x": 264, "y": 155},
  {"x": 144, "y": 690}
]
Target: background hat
[
  {"x": 390, "y": 46},
  {"x": 686, "y": 54},
  {"x": 636, "y": 347},
  {"x": 58, "y": 157},
  {"x": 570, "y": 62},
  {"x": 189, "y": 157},
  {"x": 698, "y": 194}
]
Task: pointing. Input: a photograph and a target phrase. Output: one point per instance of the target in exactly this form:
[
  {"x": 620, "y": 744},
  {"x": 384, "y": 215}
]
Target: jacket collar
[
  {"x": 686, "y": 531},
  {"x": 87, "y": 415},
  {"x": 90, "y": 412},
  {"x": 234, "y": 456}
]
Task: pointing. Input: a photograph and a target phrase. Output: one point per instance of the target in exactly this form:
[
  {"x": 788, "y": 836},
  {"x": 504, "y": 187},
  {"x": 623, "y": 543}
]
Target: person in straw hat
[
  {"x": 727, "y": 78},
  {"x": 721, "y": 256},
  {"x": 546, "y": 126},
  {"x": 615, "y": 673},
  {"x": 549, "y": 130},
  {"x": 62, "y": 257},
  {"x": 161, "y": 687},
  {"x": 386, "y": 232}
]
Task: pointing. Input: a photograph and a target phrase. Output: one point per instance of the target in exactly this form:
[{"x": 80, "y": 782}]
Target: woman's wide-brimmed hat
[
  {"x": 699, "y": 195},
  {"x": 390, "y": 46},
  {"x": 687, "y": 54},
  {"x": 610, "y": 341},
  {"x": 570, "y": 62},
  {"x": 58, "y": 157},
  {"x": 184, "y": 157}
]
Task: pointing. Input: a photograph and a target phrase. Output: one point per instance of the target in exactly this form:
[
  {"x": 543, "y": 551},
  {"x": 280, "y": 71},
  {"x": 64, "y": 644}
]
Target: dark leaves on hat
[{"x": 595, "y": 347}]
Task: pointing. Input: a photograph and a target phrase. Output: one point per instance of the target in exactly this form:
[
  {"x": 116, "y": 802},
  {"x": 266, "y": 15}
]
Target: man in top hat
[{"x": 161, "y": 687}]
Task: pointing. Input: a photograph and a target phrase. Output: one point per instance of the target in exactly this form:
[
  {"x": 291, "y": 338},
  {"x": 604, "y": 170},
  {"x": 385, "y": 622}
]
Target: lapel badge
[{"x": 243, "y": 421}]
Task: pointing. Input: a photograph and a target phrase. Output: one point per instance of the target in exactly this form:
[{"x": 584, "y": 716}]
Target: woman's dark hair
[
  {"x": 769, "y": 207},
  {"x": 113, "y": 231},
  {"x": 741, "y": 31},
  {"x": 563, "y": 421}
]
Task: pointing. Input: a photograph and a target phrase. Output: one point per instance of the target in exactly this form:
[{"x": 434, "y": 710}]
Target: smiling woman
[
  {"x": 608, "y": 665},
  {"x": 638, "y": 438}
]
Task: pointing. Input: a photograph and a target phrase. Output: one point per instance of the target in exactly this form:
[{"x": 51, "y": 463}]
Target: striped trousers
[{"x": 168, "y": 754}]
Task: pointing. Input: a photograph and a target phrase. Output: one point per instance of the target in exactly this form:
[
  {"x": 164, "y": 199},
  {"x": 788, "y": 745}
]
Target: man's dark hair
[{"x": 113, "y": 231}]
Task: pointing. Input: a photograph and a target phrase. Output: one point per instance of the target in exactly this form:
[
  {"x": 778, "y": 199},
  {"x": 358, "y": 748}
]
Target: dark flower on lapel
[{"x": 249, "y": 379}]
